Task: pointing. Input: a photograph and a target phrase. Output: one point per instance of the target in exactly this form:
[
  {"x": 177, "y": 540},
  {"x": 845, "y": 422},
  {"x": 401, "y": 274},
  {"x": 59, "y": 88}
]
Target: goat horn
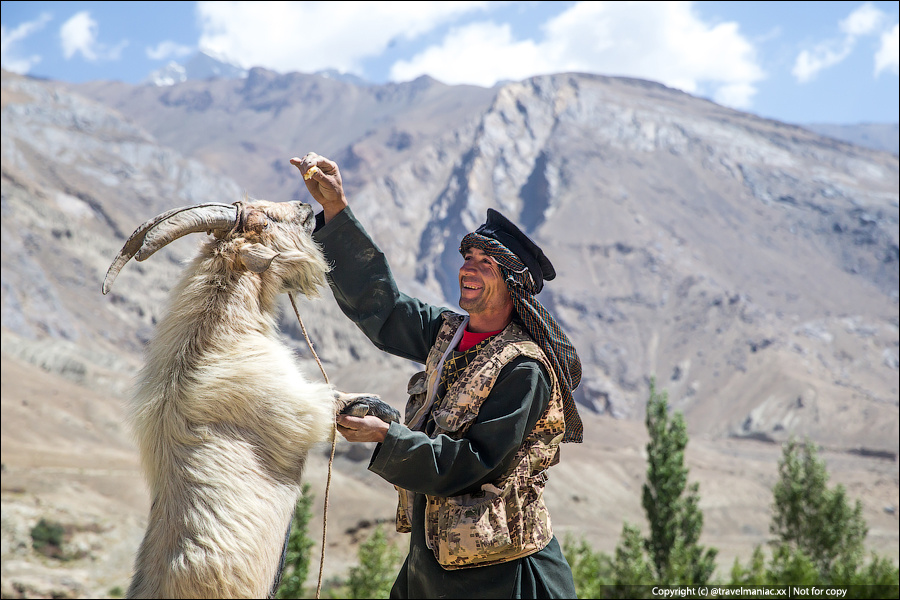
[{"x": 168, "y": 227}]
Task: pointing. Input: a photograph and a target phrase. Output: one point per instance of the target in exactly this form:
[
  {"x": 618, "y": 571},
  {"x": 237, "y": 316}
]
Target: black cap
[{"x": 505, "y": 231}]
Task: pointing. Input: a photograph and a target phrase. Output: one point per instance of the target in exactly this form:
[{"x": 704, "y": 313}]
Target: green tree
[
  {"x": 296, "y": 563},
  {"x": 819, "y": 535},
  {"x": 792, "y": 566},
  {"x": 671, "y": 505},
  {"x": 632, "y": 571},
  {"x": 755, "y": 571},
  {"x": 879, "y": 578},
  {"x": 590, "y": 570},
  {"x": 809, "y": 516},
  {"x": 379, "y": 561},
  {"x": 671, "y": 554}
]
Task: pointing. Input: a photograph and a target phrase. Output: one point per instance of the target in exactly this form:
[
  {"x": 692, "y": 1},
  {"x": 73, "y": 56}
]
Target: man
[{"x": 484, "y": 420}]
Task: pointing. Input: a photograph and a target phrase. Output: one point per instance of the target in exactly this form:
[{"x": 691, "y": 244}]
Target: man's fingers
[
  {"x": 302, "y": 163},
  {"x": 347, "y": 422},
  {"x": 308, "y": 165},
  {"x": 361, "y": 429}
]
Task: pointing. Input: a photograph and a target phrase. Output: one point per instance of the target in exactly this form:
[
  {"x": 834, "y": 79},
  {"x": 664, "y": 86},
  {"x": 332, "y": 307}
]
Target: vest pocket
[
  {"x": 489, "y": 527},
  {"x": 452, "y": 419},
  {"x": 469, "y": 529},
  {"x": 417, "y": 388},
  {"x": 404, "y": 509}
]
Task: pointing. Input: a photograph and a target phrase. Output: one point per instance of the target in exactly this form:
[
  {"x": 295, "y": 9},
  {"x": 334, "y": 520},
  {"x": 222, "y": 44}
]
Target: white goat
[{"x": 223, "y": 416}]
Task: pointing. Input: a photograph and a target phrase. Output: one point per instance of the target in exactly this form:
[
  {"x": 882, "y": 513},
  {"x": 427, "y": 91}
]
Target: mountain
[
  {"x": 696, "y": 243},
  {"x": 201, "y": 66},
  {"x": 879, "y": 136},
  {"x": 750, "y": 266}
]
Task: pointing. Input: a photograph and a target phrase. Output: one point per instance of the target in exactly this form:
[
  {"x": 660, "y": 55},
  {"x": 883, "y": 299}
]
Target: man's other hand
[{"x": 362, "y": 429}]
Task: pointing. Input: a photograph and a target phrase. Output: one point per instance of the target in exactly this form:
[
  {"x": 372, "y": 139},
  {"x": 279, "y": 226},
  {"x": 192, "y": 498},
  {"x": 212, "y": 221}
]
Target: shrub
[
  {"x": 297, "y": 558},
  {"x": 47, "y": 537},
  {"x": 379, "y": 561}
]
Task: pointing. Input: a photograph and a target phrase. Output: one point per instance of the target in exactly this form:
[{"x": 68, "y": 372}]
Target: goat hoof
[
  {"x": 369, "y": 405},
  {"x": 359, "y": 408}
]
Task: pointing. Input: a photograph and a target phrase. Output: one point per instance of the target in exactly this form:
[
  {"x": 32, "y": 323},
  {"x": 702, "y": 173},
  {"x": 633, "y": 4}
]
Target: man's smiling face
[{"x": 481, "y": 286}]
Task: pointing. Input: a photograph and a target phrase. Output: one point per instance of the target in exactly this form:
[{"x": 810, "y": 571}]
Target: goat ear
[{"x": 256, "y": 257}]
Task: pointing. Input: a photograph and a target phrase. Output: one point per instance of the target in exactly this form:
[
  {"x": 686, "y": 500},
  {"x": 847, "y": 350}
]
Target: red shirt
[{"x": 469, "y": 339}]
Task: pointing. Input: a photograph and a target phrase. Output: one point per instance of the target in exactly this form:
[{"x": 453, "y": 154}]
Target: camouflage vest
[{"x": 507, "y": 519}]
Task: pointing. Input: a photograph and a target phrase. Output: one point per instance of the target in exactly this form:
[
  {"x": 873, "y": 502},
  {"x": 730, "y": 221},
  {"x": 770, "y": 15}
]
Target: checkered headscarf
[{"x": 539, "y": 323}]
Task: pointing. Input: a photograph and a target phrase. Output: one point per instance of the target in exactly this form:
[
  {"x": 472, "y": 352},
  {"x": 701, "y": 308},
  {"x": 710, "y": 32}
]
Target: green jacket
[{"x": 442, "y": 466}]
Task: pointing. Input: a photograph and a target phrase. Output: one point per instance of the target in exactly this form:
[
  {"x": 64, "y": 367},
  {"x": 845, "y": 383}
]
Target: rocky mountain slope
[
  {"x": 750, "y": 266},
  {"x": 741, "y": 261}
]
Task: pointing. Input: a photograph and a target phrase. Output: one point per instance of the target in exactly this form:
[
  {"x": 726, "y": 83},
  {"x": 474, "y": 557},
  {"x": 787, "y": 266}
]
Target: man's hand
[
  {"x": 362, "y": 429},
  {"x": 323, "y": 180}
]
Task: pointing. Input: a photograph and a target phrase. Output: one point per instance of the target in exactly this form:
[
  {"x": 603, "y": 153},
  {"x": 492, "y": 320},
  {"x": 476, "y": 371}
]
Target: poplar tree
[{"x": 671, "y": 505}]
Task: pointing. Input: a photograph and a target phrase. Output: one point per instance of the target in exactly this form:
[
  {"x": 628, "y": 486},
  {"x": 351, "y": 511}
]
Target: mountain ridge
[{"x": 202, "y": 65}]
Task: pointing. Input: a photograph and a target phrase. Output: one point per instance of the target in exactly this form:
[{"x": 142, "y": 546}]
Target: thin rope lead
[{"x": 333, "y": 443}]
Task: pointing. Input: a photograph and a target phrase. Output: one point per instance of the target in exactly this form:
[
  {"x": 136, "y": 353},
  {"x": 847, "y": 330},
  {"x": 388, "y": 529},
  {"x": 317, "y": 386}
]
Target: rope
[{"x": 330, "y": 460}]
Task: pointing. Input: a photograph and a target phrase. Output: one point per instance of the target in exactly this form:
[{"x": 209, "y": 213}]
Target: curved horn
[{"x": 168, "y": 227}]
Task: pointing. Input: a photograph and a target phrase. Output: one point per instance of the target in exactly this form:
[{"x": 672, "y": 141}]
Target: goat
[{"x": 222, "y": 414}]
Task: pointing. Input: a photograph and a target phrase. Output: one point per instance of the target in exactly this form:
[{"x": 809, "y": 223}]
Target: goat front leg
[{"x": 360, "y": 405}]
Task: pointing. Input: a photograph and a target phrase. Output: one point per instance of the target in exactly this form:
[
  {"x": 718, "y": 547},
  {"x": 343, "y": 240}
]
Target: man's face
[{"x": 481, "y": 286}]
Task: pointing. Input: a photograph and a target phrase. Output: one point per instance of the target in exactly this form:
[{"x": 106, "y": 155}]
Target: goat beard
[{"x": 302, "y": 272}]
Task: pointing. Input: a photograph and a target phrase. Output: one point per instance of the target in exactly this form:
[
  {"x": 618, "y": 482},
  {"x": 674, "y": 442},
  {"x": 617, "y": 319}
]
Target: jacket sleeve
[
  {"x": 444, "y": 466},
  {"x": 364, "y": 289}
]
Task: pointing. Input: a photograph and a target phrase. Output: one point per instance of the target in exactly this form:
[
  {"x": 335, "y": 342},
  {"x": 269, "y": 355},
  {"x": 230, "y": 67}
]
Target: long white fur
[{"x": 224, "y": 419}]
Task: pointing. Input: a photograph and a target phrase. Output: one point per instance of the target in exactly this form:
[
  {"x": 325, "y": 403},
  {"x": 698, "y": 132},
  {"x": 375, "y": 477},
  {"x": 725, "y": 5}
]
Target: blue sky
[{"x": 798, "y": 62}]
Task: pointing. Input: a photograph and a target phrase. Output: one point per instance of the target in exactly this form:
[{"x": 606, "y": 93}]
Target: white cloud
[
  {"x": 168, "y": 49},
  {"x": 9, "y": 58},
  {"x": 78, "y": 35},
  {"x": 478, "y": 54},
  {"x": 661, "y": 41},
  {"x": 865, "y": 20},
  {"x": 887, "y": 59},
  {"x": 826, "y": 54},
  {"x": 736, "y": 95},
  {"x": 310, "y": 36}
]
